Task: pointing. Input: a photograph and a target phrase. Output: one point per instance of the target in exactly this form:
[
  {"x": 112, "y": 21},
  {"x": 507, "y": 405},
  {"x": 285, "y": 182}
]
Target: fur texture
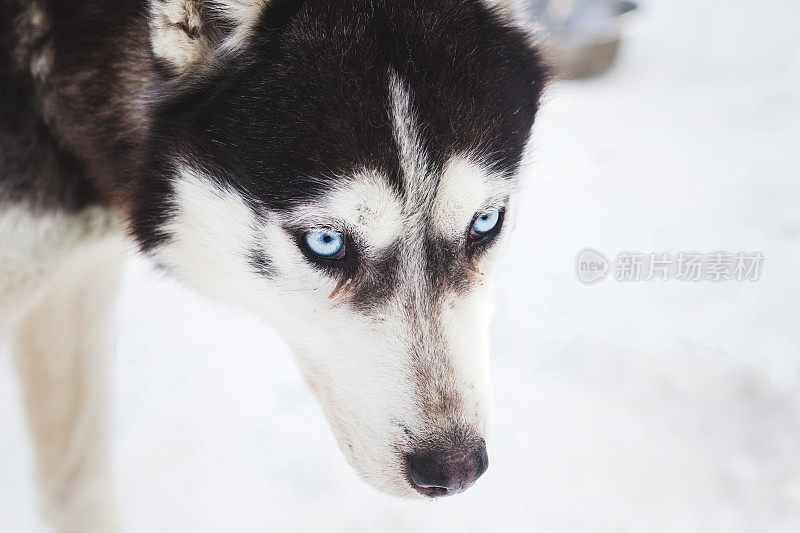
[{"x": 217, "y": 133}]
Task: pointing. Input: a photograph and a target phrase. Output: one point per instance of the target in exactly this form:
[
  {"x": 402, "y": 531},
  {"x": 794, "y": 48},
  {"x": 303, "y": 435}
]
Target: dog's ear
[{"x": 188, "y": 34}]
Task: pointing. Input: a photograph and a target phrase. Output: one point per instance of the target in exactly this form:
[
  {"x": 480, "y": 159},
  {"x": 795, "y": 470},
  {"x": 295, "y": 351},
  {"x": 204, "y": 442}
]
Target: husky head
[{"x": 346, "y": 169}]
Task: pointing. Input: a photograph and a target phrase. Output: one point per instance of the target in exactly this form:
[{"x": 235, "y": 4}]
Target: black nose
[{"x": 446, "y": 473}]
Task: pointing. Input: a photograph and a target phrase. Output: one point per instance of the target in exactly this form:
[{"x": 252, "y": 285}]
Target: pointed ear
[{"x": 188, "y": 34}]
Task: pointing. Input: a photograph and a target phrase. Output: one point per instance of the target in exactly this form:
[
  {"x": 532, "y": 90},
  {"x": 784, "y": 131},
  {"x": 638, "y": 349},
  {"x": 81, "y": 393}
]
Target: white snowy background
[{"x": 640, "y": 407}]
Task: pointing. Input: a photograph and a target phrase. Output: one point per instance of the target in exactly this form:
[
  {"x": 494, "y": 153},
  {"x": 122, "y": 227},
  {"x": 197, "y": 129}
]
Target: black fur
[
  {"x": 305, "y": 102},
  {"x": 34, "y": 166},
  {"x": 71, "y": 138},
  {"x": 309, "y": 98}
]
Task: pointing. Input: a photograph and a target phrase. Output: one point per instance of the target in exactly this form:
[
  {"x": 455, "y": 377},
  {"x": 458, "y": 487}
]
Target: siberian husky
[{"x": 345, "y": 169}]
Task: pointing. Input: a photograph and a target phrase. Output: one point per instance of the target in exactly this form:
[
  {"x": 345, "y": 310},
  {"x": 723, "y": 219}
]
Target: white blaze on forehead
[
  {"x": 419, "y": 183},
  {"x": 365, "y": 203},
  {"x": 466, "y": 188}
]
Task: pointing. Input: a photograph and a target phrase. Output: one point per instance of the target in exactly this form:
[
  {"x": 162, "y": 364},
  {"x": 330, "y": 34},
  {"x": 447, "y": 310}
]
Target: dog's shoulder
[{"x": 34, "y": 243}]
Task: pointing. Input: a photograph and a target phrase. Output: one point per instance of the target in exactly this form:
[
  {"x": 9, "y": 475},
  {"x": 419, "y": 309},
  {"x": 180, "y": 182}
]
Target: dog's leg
[{"x": 62, "y": 345}]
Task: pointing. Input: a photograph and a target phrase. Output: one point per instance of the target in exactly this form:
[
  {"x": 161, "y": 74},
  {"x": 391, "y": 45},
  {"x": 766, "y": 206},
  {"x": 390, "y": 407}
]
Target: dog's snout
[{"x": 445, "y": 473}]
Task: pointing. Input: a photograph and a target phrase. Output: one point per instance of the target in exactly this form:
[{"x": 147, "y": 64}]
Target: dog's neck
[{"x": 91, "y": 69}]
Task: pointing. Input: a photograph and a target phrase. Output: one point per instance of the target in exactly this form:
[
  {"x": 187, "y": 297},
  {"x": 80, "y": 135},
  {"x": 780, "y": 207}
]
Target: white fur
[
  {"x": 169, "y": 41},
  {"x": 34, "y": 244},
  {"x": 213, "y": 232},
  {"x": 467, "y": 188},
  {"x": 58, "y": 272},
  {"x": 169, "y": 20},
  {"x": 62, "y": 343},
  {"x": 364, "y": 203},
  {"x": 420, "y": 184}
]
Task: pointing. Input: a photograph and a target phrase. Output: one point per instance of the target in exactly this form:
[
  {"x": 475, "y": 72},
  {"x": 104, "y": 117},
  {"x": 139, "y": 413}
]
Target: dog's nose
[{"x": 446, "y": 473}]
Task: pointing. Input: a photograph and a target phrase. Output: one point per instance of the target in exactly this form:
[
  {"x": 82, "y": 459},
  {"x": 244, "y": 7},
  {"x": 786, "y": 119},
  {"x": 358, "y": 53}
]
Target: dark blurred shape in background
[{"x": 581, "y": 37}]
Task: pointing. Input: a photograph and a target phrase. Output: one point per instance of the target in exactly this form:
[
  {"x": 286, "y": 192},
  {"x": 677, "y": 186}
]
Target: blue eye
[
  {"x": 325, "y": 244},
  {"x": 485, "y": 223}
]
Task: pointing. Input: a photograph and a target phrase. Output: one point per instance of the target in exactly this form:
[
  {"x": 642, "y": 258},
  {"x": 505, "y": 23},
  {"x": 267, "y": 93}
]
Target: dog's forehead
[
  {"x": 368, "y": 203},
  {"x": 460, "y": 192},
  {"x": 421, "y": 199},
  {"x": 323, "y": 95}
]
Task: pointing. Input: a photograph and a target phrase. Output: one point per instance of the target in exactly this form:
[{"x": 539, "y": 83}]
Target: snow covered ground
[{"x": 620, "y": 407}]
